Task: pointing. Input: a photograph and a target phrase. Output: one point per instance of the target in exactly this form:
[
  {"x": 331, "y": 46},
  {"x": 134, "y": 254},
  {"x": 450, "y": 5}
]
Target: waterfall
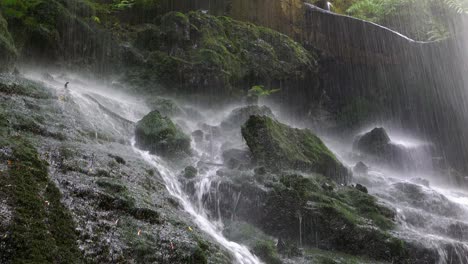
[
  {"x": 240, "y": 252},
  {"x": 437, "y": 220},
  {"x": 119, "y": 109}
]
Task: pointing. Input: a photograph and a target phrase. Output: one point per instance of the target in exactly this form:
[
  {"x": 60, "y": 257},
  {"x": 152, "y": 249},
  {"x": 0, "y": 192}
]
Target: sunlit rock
[
  {"x": 279, "y": 147},
  {"x": 161, "y": 136}
]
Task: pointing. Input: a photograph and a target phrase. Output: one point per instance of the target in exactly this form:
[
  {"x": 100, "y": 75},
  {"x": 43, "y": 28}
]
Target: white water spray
[
  {"x": 90, "y": 98},
  {"x": 241, "y": 253}
]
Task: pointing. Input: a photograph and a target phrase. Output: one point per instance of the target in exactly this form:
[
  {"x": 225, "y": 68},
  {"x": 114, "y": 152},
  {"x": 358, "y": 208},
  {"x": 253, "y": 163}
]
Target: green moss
[
  {"x": 42, "y": 230},
  {"x": 112, "y": 187},
  {"x": 160, "y": 135},
  {"x": 260, "y": 244},
  {"x": 346, "y": 202},
  {"x": 366, "y": 206},
  {"x": 352, "y": 220},
  {"x": 190, "y": 172},
  {"x": 199, "y": 256},
  {"x": 211, "y": 52},
  {"x": 24, "y": 87},
  {"x": 280, "y": 147},
  {"x": 266, "y": 250},
  {"x": 329, "y": 257}
]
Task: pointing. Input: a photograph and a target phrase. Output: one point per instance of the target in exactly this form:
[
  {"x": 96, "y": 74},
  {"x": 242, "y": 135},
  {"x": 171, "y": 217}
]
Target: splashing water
[
  {"x": 436, "y": 218},
  {"x": 110, "y": 112},
  {"x": 241, "y": 253}
]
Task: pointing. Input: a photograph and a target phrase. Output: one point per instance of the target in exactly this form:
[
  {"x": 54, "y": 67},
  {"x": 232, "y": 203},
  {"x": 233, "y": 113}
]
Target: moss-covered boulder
[
  {"x": 200, "y": 52},
  {"x": 7, "y": 47},
  {"x": 280, "y": 147},
  {"x": 303, "y": 210},
  {"x": 159, "y": 135}
]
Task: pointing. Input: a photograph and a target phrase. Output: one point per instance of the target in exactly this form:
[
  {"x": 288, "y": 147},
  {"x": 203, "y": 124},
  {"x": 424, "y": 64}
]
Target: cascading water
[
  {"x": 241, "y": 253},
  {"x": 427, "y": 214},
  {"x": 109, "y": 112}
]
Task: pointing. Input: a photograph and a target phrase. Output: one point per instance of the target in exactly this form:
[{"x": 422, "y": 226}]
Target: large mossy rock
[
  {"x": 280, "y": 147},
  {"x": 197, "y": 51},
  {"x": 159, "y": 135},
  {"x": 312, "y": 211},
  {"x": 7, "y": 47}
]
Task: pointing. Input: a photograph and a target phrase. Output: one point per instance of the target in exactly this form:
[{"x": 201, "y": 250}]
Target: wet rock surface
[
  {"x": 298, "y": 209},
  {"x": 376, "y": 146},
  {"x": 115, "y": 201},
  {"x": 279, "y": 147},
  {"x": 160, "y": 135}
]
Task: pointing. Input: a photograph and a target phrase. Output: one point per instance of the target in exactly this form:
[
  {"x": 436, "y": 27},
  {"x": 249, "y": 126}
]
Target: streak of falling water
[
  {"x": 241, "y": 253},
  {"x": 88, "y": 97}
]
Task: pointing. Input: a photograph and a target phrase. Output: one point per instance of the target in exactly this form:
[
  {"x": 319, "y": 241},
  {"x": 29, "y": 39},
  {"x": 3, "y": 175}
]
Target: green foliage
[
  {"x": 96, "y": 19},
  {"x": 261, "y": 244},
  {"x": 419, "y": 19},
  {"x": 260, "y": 90},
  {"x": 123, "y": 4},
  {"x": 266, "y": 250},
  {"x": 128, "y": 4},
  {"x": 461, "y": 6}
]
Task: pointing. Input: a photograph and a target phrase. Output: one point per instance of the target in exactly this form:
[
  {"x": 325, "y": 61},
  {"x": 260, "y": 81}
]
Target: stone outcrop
[
  {"x": 376, "y": 146},
  {"x": 279, "y": 147},
  {"x": 159, "y": 135}
]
